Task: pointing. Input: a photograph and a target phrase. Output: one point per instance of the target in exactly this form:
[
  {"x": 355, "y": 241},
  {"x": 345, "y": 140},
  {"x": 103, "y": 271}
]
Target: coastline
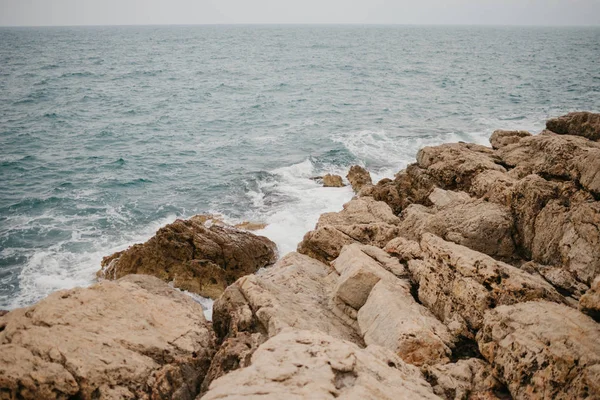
[{"x": 473, "y": 273}]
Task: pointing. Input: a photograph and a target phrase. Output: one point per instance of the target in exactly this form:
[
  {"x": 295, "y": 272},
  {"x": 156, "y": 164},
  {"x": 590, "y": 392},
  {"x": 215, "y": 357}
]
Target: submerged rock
[
  {"x": 312, "y": 365},
  {"x": 333, "y": 181},
  {"x": 200, "y": 259},
  {"x": 133, "y": 338}
]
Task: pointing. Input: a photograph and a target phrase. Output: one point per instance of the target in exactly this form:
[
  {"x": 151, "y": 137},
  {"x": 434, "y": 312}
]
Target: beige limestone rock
[
  {"x": 582, "y": 123},
  {"x": 590, "y": 301},
  {"x": 559, "y": 277},
  {"x": 330, "y": 180},
  {"x": 196, "y": 258},
  {"x": 480, "y": 225},
  {"x": 453, "y": 166},
  {"x": 502, "y": 138},
  {"x": 295, "y": 292},
  {"x": 459, "y": 284},
  {"x": 391, "y": 318},
  {"x": 363, "y": 220},
  {"x": 470, "y": 379},
  {"x": 543, "y": 350},
  {"x": 133, "y": 338},
  {"x": 312, "y": 365},
  {"x": 359, "y": 177},
  {"x": 440, "y": 197},
  {"x": 404, "y": 249}
]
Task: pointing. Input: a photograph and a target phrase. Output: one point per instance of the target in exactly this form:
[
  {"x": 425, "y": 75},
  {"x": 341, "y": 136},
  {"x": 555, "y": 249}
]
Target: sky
[{"x": 150, "y": 12}]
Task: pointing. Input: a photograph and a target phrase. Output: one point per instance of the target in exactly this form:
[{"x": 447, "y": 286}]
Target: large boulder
[
  {"x": 584, "y": 124},
  {"x": 296, "y": 292},
  {"x": 459, "y": 285},
  {"x": 136, "y": 338},
  {"x": 312, "y": 365},
  {"x": 480, "y": 225},
  {"x": 543, "y": 350},
  {"x": 195, "y": 257},
  {"x": 363, "y": 220},
  {"x": 359, "y": 177}
]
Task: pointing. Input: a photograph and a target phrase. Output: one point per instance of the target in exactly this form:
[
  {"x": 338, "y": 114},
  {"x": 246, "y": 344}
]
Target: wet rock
[
  {"x": 466, "y": 379},
  {"x": 251, "y": 226},
  {"x": 502, "y": 138},
  {"x": 113, "y": 340},
  {"x": 304, "y": 364},
  {"x": 543, "y": 350},
  {"x": 359, "y": 177},
  {"x": 590, "y": 301},
  {"x": 584, "y": 124},
  {"x": 333, "y": 181},
  {"x": 196, "y": 258},
  {"x": 363, "y": 220},
  {"x": 391, "y": 318},
  {"x": 295, "y": 292},
  {"x": 459, "y": 284}
]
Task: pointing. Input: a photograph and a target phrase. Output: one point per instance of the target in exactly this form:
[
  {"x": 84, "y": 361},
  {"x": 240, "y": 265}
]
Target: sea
[{"x": 108, "y": 133}]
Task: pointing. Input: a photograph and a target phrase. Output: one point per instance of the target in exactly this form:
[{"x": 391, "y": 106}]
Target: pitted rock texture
[
  {"x": 196, "y": 258},
  {"x": 543, "y": 350},
  {"x": 135, "y": 338},
  {"x": 312, "y": 365},
  {"x": 590, "y": 301},
  {"x": 459, "y": 285}
]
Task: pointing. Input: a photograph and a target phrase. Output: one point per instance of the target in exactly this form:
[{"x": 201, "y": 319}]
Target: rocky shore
[{"x": 473, "y": 274}]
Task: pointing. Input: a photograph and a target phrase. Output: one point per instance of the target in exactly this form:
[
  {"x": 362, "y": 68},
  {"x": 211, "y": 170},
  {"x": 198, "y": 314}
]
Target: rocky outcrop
[
  {"x": 330, "y": 180},
  {"x": 480, "y": 225},
  {"x": 584, "y": 124},
  {"x": 195, "y": 257},
  {"x": 459, "y": 285},
  {"x": 359, "y": 177},
  {"x": 363, "y": 220},
  {"x": 296, "y": 292},
  {"x": 543, "y": 350},
  {"x": 590, "y": 301},
  {"x": 312, "y": 365},
  {"x": 133, "y": 338},
  {"x": 502, "y": 138}
]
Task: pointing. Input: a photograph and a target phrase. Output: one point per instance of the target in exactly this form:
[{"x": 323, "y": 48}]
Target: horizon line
[{"x": 302, "y": 24}]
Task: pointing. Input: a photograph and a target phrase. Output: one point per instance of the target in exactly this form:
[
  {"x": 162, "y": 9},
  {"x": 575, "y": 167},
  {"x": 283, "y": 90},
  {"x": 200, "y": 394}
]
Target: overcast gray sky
[{"x": 129, "y": 12}]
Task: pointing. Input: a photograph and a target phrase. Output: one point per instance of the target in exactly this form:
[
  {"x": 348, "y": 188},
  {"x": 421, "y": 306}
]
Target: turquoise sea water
[{"x": 107, "y": 133}]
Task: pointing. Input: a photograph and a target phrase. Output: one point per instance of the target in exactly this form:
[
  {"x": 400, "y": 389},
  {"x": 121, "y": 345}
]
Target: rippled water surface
[{"x": 107, "y": 133}]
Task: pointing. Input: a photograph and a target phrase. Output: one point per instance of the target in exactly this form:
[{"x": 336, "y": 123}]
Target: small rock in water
[
  {"x": 359, "y": 177},
  {"x": 333, "y": 181}
]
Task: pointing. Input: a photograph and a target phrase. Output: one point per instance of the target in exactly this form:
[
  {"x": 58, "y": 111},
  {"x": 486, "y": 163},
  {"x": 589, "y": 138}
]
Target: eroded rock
[
  {"x": 133, "y": 338},
  {"x": 584, "y": 124},
  {"x": 502, "y": 138},
  {"x": 543, "y": 350},
  {"x": 196, "y": 258},
  {"x": 359, "y": 177},
  {"x": 363, "y": 220},
  {"x": 590, "y": 301},
  {"x": 304, "y": 364},
  {"x": 330, "y": 180}
]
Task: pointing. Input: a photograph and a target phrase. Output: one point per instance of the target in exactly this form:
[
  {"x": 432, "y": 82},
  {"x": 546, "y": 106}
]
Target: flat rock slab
[
  {"x": 133, "y": 338},
  {"x": 312, "y": 365}
]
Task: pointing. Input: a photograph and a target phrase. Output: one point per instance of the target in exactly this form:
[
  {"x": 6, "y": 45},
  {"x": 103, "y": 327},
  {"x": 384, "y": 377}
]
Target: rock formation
[
  {"x": 135, "y": 338},
  {"x": 473, "y": 274},
  {"x": 196, "y": 258},
  {"x": 330, "y": 180}
]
